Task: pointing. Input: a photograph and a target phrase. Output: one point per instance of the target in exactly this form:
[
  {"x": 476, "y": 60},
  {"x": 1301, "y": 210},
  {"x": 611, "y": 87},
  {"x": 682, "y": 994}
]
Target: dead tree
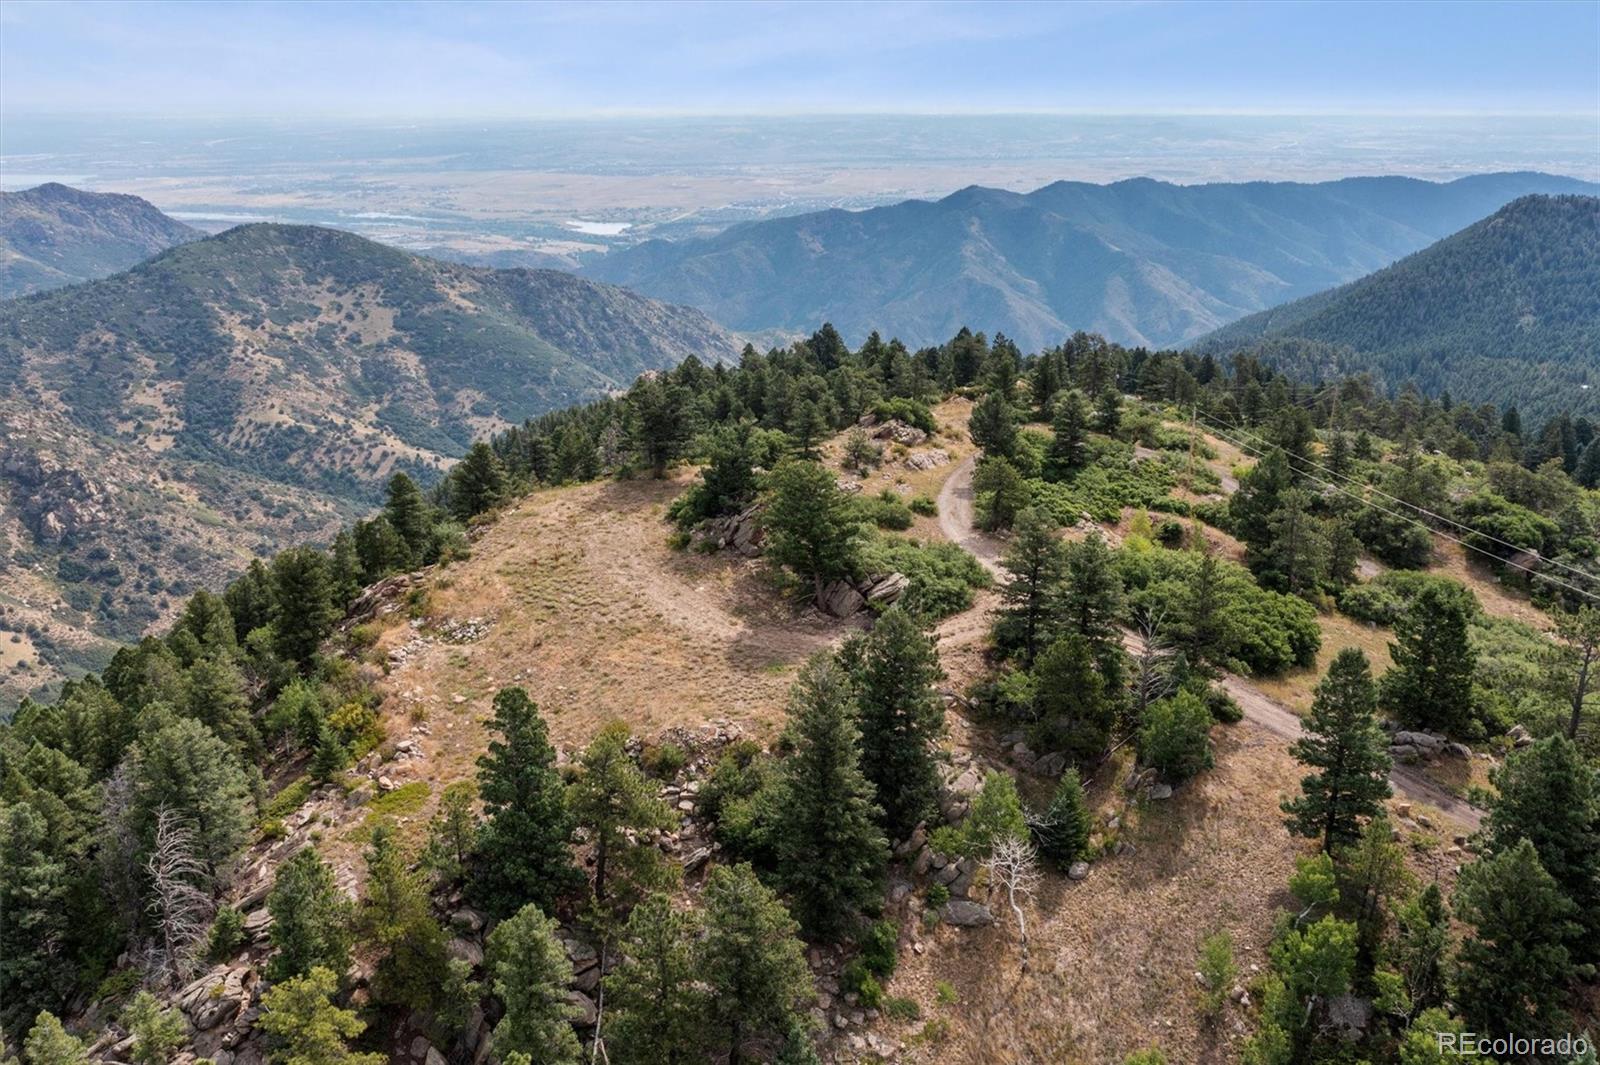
[
  {"x": 1014, "y": 866},
  {"x": 180, "y": 909}
]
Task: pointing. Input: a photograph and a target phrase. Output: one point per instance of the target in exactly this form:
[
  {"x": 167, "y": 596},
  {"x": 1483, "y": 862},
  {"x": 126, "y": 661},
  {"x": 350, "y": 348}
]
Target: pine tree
[
  {"x": 1064, "y": 833},
  {"x": 1514, "y": 970},
  {"x": 184, "y": 769},
  {"x": 303, "y": 611},
  {"x": 453, "y": 832},
  {"x": 529, "y": 972},
  {"x": 616, "y": 806},
  {"x": 1108, "y": 410},
  {"x": 1422, "y": 938},
  {"x": 661, "y": 419},
  {"x": 809, "y": 525},
  {"x": 310, "y": 919},
  {"x": 1430, "y": 684},
  {"x": 728, "y": 480},
  {"x": 379, "y": 549},
  {"x": 307, "y": 1027},
  {"x": 1001, "y": 492},
  {"x": 894, "y": 668},
  {"x": 1037, "y": 562},
  {"x": 1294, "y": 558},
  {"x": 207, "y": 620},
  {"x": 750, "y": 959},
  {"x": 527, "y": 827},
  {"x": 1205, "y": 626},
  {"x": 657, "y": 1006},
  {"x": 1071, "y": 710},
  {"x": 344, "y": 571},
  {"x": 216, "y": 698},
  {"x": 477, "y": 483},
  {"x": 1344, "y": 744},
  {"x": 1576, "y": 658},
  {"x": 34, "y": 886},
  {"x": 157, "y": 1032},
  {"x": 1549, "y": 796},
  {"x": 1091, "y": 602},
  {"x": 993, "y": 425},
  {"x": 48, "y": 1043},
  {"x": 249, "y": 600},
  {"x": 407, "y": 514},
  {"x": 831, "y": 853},
  {"x": 1070, "y": 423},
  {"x": 395, "y": 921}
]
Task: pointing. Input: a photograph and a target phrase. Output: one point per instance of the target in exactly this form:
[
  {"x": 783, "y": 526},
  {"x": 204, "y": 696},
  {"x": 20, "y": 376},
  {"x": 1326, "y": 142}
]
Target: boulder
[
  {"x": 1426, "y": 741},
  {"x": 1458, "y": 750},
  {"x": 885, "y": 589},
  {"x": 927, "y": 460},
  {"x": 1077, "y": 870},
  {"x": 1051, "y": 765},
  {"x": 1519, "y": 736},
  {"x": 1160, "y": 791},
  {"x": 467, "y": 950},
  {"x": 841, "y": 599},
  {"x": 584, "y": 1013},
  {"x": 964, "y": 913}
]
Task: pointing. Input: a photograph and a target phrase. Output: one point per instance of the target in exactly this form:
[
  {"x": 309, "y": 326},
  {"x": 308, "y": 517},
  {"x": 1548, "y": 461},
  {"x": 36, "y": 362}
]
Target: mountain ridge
[
  {"x": 1506, "y": 310},
  {"x": 54, "y": 235},
  {"x": 1140, "y": 260}
]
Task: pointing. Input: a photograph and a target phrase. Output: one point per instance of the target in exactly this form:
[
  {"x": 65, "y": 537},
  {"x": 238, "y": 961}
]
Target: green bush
[
  {"x": 902, "y": 1009},
  {"x": 1382, "y": 600},
  {"x": 1176, "y": 737},
  {"x": 227, "y": 934},
  {"x": 941, "y": 576},
  {"x": 886, "y": 510},
  {"x": 880, "y": 948},
  {"x": 925, "y": 505},
  {"x": 663, "y": 760},
  {"x": 909, "y": 411}
]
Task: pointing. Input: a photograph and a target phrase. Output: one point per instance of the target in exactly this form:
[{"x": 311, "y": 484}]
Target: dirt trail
[{"x": 1265, "y": 713}]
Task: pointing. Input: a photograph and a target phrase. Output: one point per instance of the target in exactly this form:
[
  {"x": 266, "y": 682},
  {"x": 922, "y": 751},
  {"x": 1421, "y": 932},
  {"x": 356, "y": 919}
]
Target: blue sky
[{"x": 508, "y": 60}]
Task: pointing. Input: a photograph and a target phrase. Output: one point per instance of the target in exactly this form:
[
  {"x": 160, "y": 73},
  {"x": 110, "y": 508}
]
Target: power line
[
  {"x": 1257, "y": 453},
  {"x": 1240, "y": 430}
]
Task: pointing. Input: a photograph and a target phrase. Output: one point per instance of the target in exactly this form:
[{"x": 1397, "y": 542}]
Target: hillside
[
  {"x": 1141, "y": 261},
  {"x": 1506, "y": 311},
  {"x": 244, "y": 391},
  {"x": 54, "y": 235}
]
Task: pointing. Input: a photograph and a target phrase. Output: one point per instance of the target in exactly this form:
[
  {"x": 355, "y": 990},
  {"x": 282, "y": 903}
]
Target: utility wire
[
  {"x": 1214, "y": 422},
  {"x": 1257, "y": 453}
]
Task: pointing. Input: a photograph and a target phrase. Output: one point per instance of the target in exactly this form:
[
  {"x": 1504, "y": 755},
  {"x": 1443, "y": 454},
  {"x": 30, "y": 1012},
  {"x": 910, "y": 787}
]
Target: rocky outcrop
[
  {"x": 57, "y": 501},
  {"x": 741, "y": 532},
  {"x": 843, "y": 598},
  {"x": 898, "y": 432},
  {"x": 927, "y": 460}
]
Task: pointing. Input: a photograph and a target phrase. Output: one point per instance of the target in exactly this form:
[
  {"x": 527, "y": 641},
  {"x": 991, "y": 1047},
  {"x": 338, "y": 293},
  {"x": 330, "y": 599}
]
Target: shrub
[
  {"x": 1217, "y": 973},
  {"x": 663, "y": 760},
  {"x": 924, "y": 505},
  {"x": 936, "y": 896},
  {"x": 858, "y": 978},
  {"x": 227, "y": 934},
  {"x": 1223, "y": 707},
  {"x": 902, "y": 1009},
  {"x": 880, "y": 947},
  {"x": 941, "y": 576},
  {"x": 886, "y": 510},
  {"x": 909, "y": 411},
  {"x": 1382, "y": 600},
  {"x": 1175, "y": 738}
]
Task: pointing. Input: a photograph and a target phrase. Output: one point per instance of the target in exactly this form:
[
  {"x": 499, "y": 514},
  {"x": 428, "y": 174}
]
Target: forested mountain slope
[
  {"x": 54, "y": 235},
  {"x": 1506, "y": 311},
  {"x": 245, "y": 390},
  {"x": 1141, "y": 261}
]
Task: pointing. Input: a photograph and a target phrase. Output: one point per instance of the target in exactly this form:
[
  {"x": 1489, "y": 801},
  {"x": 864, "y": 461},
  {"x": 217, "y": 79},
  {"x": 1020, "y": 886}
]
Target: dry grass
[{"x": 1294, "y": 689}]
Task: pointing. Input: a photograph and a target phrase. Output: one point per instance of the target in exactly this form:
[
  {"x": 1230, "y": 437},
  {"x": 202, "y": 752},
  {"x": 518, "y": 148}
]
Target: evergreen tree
[
  {"x": 453, "y": 832},
  {"x": 184, "y": 769},
  {"x": 1258, "y": 498},
  {"x": 310, "y": 919},
  {"x": 1430, "y": 684},
  {"x": 477, "y": 483},
  {"x": 306, "y": 1027},
  {"x": 529, "y": 972},
  {"x": 750, "y": 959},
  {"x": 527, "y": 827},
  {"x": 1001, "y": 492},
  {"x": 303, "y": 612},
  {"x": 831, "y": 853},
  {"x": 1204, "y": 629},
  {"x": 895, "y": 668},
  {"x": 993, "y": 425},
  {"x": 216, "y": 698},
  {"x": 1091, "y": 607},
  {"x": 1345, "y": 746},
  {"x": 34, "y": 885},
  {"x": 1070, "y": 423},
  {"x": 1070, "y": 707},
  {"x": 407, "y": 514},
  {"x": 1037, "y": 562},
  {"x": 48, "y": 1043},
  {"x": 1064, "y": 833},
  {"x": 380, "y": 550},
  {"x": 1548, "y": 795},
  {"x": 616, "y": 806},
  {"x": 1108, "y": 410},
  {"x": 661, "y": 419},
  {"x": 657, "y": 1006},
  {"x": 809, "y": 524},
  {"x": 1422, "y": 939},
  {"x": 344, "y": 571},
  {"x": 1294, "y": 558},
  {"x": 395, "y": 921},
  {"x": 1175, "y": 737},
  {"x": 728, "y": 481},
  {"x": 250, "y": 600},
  {"x": 207, "y": 621},
  {"x": 157, "y": 1032},
  {"x": 1514, "y": 970}
]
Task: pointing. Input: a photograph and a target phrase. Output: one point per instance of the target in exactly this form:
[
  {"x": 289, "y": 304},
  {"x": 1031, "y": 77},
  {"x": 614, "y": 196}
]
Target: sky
[{"x": 505, "y": 60}]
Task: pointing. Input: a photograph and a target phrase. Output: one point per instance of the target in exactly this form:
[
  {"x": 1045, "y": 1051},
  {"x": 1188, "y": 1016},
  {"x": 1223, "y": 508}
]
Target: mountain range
[
  {"x": 54, "y": 235},
  {"x": 1506, "y": 311},
  {"x": 1140, "y": 261},
  {"x": 255, "y": 388}
]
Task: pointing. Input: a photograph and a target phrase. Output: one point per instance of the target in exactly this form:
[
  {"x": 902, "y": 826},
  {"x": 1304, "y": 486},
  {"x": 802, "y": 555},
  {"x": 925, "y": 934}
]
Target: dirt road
[{"x": 1266, "y": 714}]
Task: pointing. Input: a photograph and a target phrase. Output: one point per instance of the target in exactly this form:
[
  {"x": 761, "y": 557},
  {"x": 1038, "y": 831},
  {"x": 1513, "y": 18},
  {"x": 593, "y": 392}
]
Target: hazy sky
[{"x": 503, "y": 60}]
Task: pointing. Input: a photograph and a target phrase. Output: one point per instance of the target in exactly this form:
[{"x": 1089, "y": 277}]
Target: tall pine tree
[{"x": 1345, "y": 746}]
